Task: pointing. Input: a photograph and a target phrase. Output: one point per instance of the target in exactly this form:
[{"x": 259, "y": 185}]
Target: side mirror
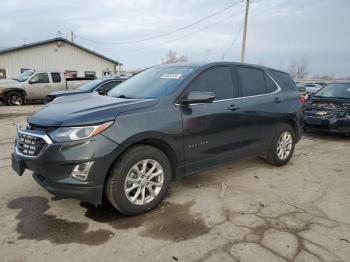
[
  {"x": 198, "y": 97},
  {"x": 31, "y": 81}
]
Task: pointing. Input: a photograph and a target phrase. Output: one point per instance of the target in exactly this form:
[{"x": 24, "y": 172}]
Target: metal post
[{"x": 244, "y": 32}]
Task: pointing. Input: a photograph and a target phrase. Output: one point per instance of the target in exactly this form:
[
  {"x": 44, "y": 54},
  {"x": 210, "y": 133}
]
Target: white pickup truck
[{"x": 35, "y": 85}]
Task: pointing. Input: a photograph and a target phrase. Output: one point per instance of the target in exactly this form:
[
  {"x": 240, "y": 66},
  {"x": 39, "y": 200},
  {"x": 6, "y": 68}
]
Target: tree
[
  {"x": 173, "y": 57},
  {"x": 299, "y": 68}
]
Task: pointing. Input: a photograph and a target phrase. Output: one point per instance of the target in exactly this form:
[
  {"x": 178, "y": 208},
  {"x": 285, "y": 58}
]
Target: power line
[
  {"x": 233, "y": 42},
  {"x": 165, "y": 34},
  {"x": 184, "y": 36}
]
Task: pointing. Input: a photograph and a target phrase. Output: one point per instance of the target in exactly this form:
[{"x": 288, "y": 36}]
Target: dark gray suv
[{"x": 164, "y": 123}]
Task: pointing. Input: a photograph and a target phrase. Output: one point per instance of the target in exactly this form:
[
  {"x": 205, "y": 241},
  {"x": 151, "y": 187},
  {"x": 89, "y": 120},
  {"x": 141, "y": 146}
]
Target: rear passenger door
[
  {"x": 261, "y": 105},
  {"x": 212, "y": 130},
  {"x": 57, "y": 83}
]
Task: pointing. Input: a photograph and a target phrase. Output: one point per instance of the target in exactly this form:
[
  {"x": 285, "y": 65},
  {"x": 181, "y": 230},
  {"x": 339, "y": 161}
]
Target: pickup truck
[{"x": 35, "y": 85}]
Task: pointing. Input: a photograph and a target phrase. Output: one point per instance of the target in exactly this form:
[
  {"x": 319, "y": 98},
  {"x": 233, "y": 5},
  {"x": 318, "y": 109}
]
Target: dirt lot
[{"x": 246, "y": 211}]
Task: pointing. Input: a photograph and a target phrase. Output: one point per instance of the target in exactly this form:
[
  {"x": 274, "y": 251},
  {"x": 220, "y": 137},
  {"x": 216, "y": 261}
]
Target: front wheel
[
  {"x": 139, "y": 180},
  {"x": 14, "y": 99},
  {"x": 282, "y": 147}
]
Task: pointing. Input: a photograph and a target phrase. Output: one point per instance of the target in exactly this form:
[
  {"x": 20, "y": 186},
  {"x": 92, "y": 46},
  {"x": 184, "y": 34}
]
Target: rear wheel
[
  {"x": 14, "y": 99},
  {"x": 282, "y": 147},
  {"x": 139, "y": 180}
]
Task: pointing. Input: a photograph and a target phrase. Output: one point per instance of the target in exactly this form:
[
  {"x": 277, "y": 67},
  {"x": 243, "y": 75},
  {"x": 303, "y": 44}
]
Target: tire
[
  {"x": 276, "y": 155},
  {"x": 127, "y": 166},
  {"x": 14, "y": 99}
]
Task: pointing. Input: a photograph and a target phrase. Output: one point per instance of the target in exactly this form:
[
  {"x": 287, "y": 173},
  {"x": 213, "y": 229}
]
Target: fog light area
[{"x": 81, "y": 171}]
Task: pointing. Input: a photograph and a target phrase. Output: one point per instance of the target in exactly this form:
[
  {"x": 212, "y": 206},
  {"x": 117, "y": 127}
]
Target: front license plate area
[{"x": 18, "y": 165}]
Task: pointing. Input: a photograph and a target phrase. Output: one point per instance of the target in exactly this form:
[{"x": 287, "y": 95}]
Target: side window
[
  {"x": 217, "y": 80},
  {"x": 56, "y": 77},
  {"x": 108, "y": 86},
  {"x": 40, "y": 78},
  {"x": 252, "y": 81}
]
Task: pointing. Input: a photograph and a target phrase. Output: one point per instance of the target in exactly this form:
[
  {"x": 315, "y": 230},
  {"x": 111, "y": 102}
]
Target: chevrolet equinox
[{"x": 165, "y": 122}]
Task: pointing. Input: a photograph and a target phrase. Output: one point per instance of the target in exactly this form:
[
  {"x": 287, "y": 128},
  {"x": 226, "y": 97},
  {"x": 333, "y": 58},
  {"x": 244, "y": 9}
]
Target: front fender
[{"x": 10, "y": 89}]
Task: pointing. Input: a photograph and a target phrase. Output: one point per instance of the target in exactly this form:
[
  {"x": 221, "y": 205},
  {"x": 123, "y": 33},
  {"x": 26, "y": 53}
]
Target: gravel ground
[{"x": 244, "y": 211}]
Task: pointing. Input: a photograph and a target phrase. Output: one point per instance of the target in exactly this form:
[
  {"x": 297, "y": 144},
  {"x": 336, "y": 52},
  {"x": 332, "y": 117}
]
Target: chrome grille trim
[{"x": 28, "y": 140}]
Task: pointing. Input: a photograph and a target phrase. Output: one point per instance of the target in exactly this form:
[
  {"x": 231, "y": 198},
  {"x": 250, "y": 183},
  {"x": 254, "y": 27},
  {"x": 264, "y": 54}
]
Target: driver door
[
  {"x": 212, "y": 130},
  {"x": 38, "y": 86}
]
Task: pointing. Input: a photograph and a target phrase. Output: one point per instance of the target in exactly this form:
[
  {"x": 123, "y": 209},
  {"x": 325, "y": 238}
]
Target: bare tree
[
  {"x": 299, "y": 68},
  {"x": 173, "y": 57}
]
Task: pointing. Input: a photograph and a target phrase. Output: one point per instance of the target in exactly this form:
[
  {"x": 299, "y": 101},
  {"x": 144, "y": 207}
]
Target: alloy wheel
[
  {"x": 144, "y": 181},
  {"x": 284, "y": 145},
  {"x": 16, "y": 100}
]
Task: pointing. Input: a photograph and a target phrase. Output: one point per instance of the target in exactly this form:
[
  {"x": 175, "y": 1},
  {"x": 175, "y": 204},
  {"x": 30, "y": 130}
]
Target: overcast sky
[{"x": 278, "y": 30}]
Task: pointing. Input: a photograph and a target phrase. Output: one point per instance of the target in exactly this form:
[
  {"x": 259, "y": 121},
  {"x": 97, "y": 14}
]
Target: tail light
[{"x": 302, "y": 99}]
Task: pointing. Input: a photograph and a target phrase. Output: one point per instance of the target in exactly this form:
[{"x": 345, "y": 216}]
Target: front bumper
[
  {"x": 329, "y": 124},
  {"x": 53, "y": 166}
]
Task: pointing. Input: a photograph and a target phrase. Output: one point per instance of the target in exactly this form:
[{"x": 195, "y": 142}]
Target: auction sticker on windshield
[{"x": 171, "y": 76}]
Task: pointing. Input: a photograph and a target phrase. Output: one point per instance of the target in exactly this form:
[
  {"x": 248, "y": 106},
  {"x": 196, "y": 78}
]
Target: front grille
[{"x": 30, "y": 145}]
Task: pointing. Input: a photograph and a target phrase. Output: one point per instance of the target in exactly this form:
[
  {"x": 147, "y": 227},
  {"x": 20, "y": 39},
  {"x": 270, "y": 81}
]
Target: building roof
[{"x": 44, "y": 42}]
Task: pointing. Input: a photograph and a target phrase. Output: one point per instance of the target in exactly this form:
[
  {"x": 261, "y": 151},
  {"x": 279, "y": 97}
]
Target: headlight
[{"x": 64, "y": 134}]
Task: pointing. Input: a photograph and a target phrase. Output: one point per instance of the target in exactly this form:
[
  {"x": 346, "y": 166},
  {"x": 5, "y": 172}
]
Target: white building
[{"x": 56, "y": 54}]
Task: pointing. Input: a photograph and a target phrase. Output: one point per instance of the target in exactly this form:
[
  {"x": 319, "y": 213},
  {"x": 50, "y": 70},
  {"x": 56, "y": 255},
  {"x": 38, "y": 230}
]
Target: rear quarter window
[{"x": 284, "y": 80}]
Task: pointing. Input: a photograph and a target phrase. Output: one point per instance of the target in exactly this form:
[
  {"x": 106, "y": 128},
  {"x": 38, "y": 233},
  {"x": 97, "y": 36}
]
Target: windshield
[
  {"x": 90, "y": 85},
  {"x": 25, "y": 75},
  {"x": 154, "y": 82},
  {"x": 338, "y": 90}
]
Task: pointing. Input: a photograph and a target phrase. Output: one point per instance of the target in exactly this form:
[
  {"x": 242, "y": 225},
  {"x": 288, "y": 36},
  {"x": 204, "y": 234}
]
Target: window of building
[
  {"x": 40, "y": 78},
  {"x": 24, "y": 69},
  {"x": 56, "y": 77},
  {"x": 217, "y": 80},
  {"x": 2, "y": 73},
  {"x": 252, "y": 81},
  {"x": 106, "y": 73},
  {"x": 71, "y": 74},
  {"x": 91, "y": 74}
]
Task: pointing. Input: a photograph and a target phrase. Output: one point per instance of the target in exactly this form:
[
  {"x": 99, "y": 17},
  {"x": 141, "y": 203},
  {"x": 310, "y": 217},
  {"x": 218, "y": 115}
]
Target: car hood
[
  {"x": 66, "y": 92},
  {"x": 85, "y": 109},
  {"x": 328, "y": 99},
  {"x": 9, "y": 83}
]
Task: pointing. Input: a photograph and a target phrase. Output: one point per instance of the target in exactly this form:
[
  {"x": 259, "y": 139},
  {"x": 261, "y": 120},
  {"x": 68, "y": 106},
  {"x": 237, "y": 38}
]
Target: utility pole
[
  {"x": 71, "y": 36},
  {"x": 244, "y": 31}
]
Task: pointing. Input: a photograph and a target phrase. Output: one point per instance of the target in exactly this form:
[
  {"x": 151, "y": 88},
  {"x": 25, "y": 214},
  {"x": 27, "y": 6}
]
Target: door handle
[
  {"x": 277, "y": 100},
  {"x": 233, "y": 107}
]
